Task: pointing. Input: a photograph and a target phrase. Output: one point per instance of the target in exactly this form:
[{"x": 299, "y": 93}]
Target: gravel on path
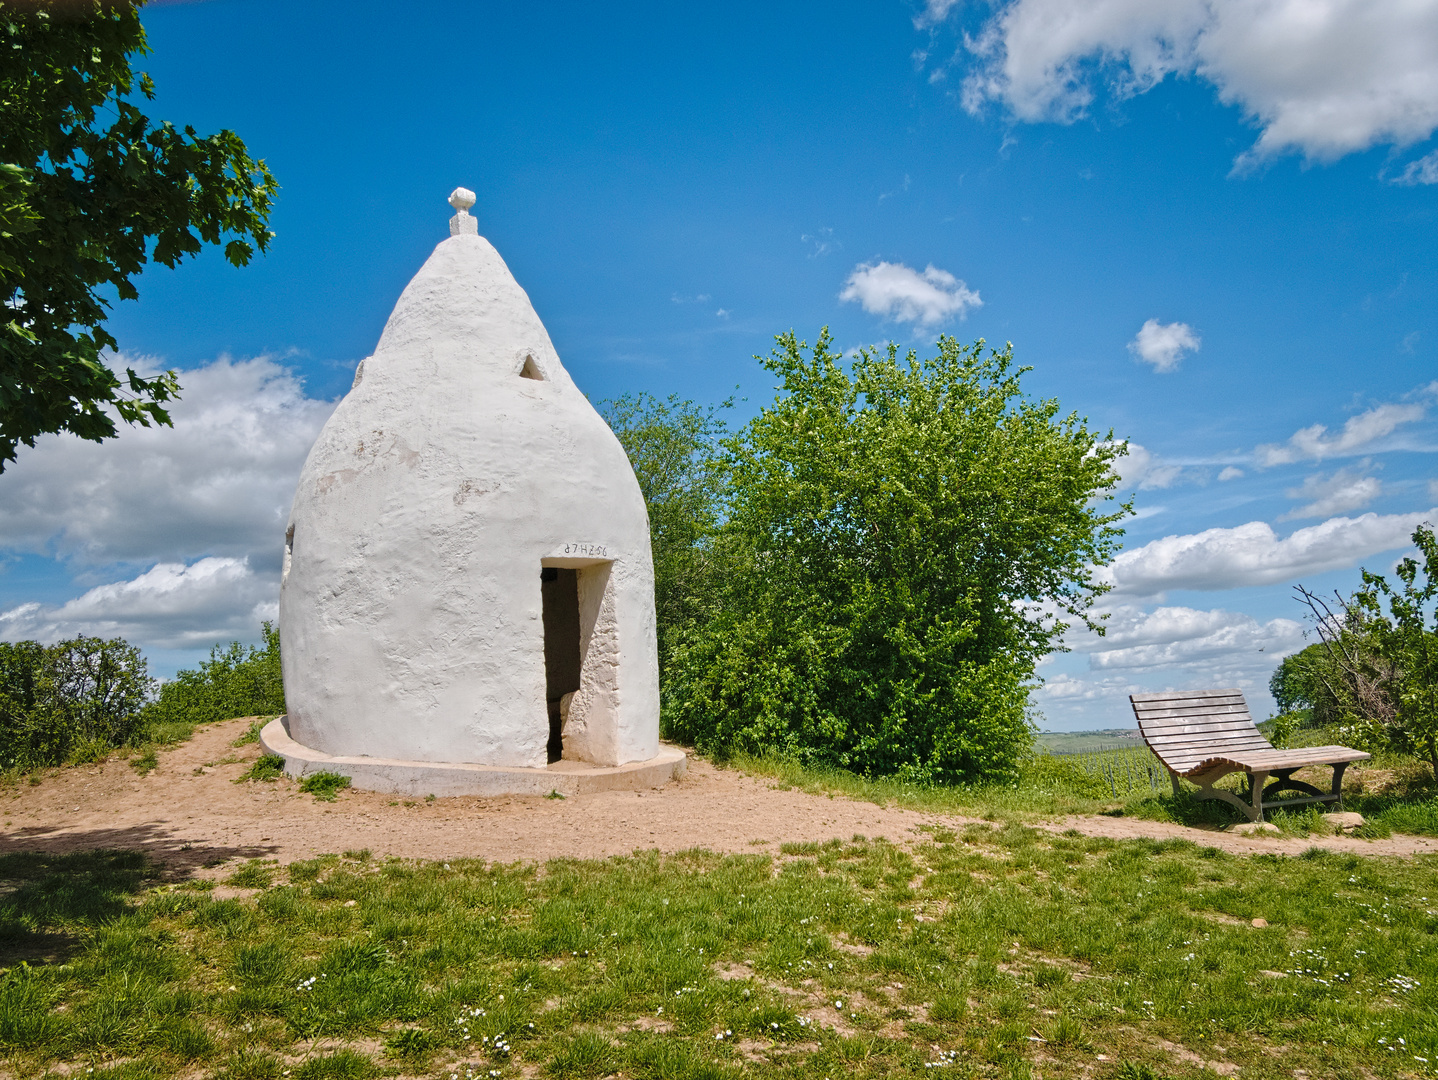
[{"x": 188, "y": 813}]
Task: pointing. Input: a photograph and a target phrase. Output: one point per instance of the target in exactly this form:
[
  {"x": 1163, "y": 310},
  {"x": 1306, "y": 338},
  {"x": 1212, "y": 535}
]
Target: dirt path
[{"x": 189, "y": 814}]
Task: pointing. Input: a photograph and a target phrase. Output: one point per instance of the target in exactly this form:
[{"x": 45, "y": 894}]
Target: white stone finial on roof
[{"x": 462, "y": 224}]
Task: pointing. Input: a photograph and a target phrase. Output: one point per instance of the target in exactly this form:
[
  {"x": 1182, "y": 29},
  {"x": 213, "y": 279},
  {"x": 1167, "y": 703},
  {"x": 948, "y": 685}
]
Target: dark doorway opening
[{"x": 559, "y": 589}]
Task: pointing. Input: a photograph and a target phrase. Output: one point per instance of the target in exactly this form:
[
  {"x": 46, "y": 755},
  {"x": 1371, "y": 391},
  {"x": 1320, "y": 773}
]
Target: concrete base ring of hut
[{"x": 421, "y": 778}]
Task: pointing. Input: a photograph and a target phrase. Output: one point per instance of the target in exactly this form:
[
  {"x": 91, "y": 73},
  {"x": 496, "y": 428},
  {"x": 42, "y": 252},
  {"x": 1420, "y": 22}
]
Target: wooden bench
[{"x": 1203, "y": 735}]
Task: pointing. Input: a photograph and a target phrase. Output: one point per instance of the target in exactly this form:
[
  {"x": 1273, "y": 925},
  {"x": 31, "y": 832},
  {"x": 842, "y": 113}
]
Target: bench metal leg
[
  {"x": 1285, "y": 782},
  {"x": 1251, "y": 805},
  {"x": 1255, "y": 792}
]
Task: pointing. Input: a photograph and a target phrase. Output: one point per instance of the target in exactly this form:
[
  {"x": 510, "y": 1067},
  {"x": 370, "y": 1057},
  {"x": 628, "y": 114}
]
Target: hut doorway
[{"x": 559, "y": 588}]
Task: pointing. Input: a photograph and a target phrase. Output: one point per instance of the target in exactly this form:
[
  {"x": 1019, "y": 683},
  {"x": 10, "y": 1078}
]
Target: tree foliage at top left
[{"x": 91, "y": 189}]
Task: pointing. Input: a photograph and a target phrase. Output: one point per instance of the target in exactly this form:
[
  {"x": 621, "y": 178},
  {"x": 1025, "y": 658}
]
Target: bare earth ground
[{"x": 189, "y": 814}]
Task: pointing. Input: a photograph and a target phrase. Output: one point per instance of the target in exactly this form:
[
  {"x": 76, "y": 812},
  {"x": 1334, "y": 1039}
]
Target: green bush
[
  {"x": 75, "y": 700},
  {"x": 234, "y": 681},
  {"x": 899, "y": 548},
  {"x": 673, "y": 446}
]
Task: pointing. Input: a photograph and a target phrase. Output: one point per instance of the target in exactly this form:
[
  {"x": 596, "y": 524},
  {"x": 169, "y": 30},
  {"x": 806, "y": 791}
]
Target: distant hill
[{"x": 1085, "y": 742}]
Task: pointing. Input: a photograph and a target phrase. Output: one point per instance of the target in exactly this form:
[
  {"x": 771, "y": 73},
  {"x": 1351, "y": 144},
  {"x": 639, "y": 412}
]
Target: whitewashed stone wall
[{"x": 410, "y": 610}]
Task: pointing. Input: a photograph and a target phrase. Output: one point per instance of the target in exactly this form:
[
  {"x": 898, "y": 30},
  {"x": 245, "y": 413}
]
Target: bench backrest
[{"x": 1186, "y": 727}]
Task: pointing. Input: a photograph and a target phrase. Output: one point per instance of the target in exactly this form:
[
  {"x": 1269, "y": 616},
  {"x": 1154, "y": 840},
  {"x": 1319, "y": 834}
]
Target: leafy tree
[
  {"x": 900, "y": 545},
  {"x": 234, "y": 681},
  {"x": 1298, "y": 686},
  {"x": 76, "y": 699},
  {"x": 90, "y": 191},
  {"x": 673, "y": 446},
  {"x": 1377, "y": 671}
]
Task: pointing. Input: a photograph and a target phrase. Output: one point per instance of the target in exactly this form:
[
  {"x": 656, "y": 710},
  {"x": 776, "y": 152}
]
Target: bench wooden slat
[
  {"x": 1297, "y": 759},
  {"x": 1203, "y": 738},
  {"x": 1161, "y": 708},
  {"x": 1188, "y": 749},
  {"x": 1196, "y": 725},
  {"x": 1187, "y": 763},
  {"x": 1267, "y": 760},
  {"x": 1236, "y": 709},
  {"x": 1200, "y": 731},
  {"x": 1169, "y": 695},
  {"x": 1188, "y": 703},
  {"x": 1169, "y": 753}
]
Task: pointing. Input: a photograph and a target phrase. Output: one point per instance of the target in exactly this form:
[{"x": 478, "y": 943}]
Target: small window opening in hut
[
  {"x": 559, "y": 589},
  {"x": 530, "y": 370}
]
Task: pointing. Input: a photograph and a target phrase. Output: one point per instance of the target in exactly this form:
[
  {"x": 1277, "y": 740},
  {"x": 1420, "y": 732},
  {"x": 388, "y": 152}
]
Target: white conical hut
[{"x": 467, "y": 571}]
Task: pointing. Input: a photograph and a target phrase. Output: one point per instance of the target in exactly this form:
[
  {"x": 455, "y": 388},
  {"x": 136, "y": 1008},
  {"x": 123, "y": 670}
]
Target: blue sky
[{"x": 1212, "y": 227}]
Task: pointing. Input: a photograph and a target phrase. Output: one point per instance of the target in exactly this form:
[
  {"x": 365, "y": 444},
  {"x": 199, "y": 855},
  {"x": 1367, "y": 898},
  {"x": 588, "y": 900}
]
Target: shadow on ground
[{"x": 174, "y": 858}]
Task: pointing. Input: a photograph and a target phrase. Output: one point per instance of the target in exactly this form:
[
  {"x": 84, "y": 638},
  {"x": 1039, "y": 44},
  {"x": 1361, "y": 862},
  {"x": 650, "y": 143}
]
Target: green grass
[
  {"x": 325, "y": 786},
  {"x": 1394, "y": 792},
  {"x": 995, "y": 952},
  {"x": 267, "y": 767},
  {"x": 251, "y": 734},
  {"x": 1048, "y": 784}
]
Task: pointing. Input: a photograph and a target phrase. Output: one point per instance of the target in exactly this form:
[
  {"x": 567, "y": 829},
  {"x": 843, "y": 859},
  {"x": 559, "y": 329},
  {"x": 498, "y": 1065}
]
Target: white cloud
[
  {"x": 903, "y": 294},
  {"x": 1230, "y": 473},
  {"x": 1422, "y": 171},
  {"x": 1140, "y": 469},
  {"x": 1190, "y": 639},
  {"x": 1068, "y": 689},
  {"x": 219, "y": 482},
  {"x": 1252, "y": 554},
  {"x": 1169, "y": 648},
  {"x": 1321, "y": 77},
  {"x": 202, "y": 505},
  {"x": 170, "y": 606},
  {"x": 935, "y": 12},
  {"x": 1314, "y": 443},
  {"x": 822, "y": 241},
  {"x": 1163, "y": 344},
  {"x": 1345, "y": 490}
]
